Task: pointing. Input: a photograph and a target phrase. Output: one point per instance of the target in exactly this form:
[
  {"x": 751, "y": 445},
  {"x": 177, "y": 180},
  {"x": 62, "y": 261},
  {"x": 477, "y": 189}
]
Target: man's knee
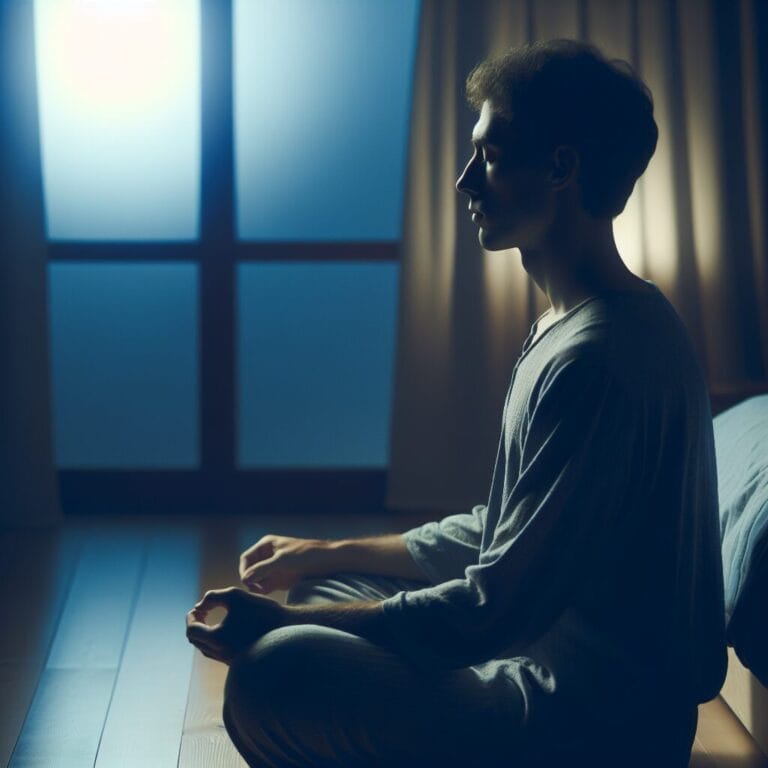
[
  {"x": 275, "y": 682},
  {"x": 257, "y": 689},
  {"x": 274, "y": 668},
  {"x": 282, "y": 663}
]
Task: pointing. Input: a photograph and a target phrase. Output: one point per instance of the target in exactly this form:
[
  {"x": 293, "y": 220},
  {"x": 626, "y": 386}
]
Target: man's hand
[
  {"x": 248, "y": 618},
  {"x": 280, "y": 562}
]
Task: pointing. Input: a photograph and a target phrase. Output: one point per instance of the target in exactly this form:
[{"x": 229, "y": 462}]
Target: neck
[{"x": 583, "y": 263}]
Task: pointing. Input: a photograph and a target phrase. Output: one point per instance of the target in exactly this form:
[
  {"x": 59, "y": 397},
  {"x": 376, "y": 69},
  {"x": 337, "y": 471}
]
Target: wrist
[
  {"x": 296, "y": 614},
  {"x": 337, "y": 555}
]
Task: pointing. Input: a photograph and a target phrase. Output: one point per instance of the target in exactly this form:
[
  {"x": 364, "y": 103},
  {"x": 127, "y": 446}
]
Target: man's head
[{"x": 556, "y": 118}]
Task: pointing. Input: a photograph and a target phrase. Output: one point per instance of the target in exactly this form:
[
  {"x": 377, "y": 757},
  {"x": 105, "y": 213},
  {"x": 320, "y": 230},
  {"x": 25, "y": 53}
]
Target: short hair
[{"x": 565, "y": 92}]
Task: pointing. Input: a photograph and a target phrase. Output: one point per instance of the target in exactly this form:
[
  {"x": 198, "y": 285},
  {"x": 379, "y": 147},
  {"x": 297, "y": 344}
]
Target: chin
[{"x": 495, "y": 241}]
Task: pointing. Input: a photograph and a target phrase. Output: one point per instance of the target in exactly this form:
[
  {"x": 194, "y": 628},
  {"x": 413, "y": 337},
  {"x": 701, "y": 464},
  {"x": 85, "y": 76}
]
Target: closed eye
[
  {"x": 489, "y": 151},
  {"x": 489, "y": 157}
]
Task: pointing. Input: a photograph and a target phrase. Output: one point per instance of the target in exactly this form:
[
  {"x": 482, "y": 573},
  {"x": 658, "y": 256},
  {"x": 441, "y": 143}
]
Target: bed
[{"x": 741, "y": 445}]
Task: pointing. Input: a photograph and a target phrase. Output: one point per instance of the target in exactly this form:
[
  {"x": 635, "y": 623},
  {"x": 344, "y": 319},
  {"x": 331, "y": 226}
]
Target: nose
[{"x": 468, "y": 182}]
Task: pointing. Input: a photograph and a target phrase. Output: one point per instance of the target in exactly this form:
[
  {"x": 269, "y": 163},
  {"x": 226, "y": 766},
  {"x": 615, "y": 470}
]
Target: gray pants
[{"x": 313, "y": 696}]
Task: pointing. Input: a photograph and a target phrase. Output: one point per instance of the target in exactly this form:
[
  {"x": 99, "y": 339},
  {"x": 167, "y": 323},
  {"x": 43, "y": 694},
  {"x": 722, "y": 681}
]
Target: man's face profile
[{"x": 509, "y": 198}]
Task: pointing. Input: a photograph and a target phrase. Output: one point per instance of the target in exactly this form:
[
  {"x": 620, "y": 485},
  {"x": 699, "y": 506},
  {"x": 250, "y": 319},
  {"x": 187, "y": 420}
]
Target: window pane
[
  {"x": 119, "y": 98},
  {"x": 125, "y": 364},
  {"x": 316, "y": 348},
  {"x": 322, "y": 103}
]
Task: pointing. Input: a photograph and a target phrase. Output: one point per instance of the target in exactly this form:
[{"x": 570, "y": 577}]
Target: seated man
[{"x": 577, "y": 617}]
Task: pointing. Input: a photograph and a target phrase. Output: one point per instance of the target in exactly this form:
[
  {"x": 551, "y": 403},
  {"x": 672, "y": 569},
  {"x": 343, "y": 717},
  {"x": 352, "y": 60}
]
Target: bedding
[{"x": 741, "y": 448}]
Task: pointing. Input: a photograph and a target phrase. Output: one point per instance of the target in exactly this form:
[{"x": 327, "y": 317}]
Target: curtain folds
[{"x": 695, "y": 223}]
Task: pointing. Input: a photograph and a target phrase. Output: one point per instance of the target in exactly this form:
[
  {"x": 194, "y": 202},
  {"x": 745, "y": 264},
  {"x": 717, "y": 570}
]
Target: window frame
[{"x": 218, "y": 484}]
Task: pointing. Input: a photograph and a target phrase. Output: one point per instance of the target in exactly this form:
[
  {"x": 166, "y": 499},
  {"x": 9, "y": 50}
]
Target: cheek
[
  {"x": 496, "y": 177},
  {"x": 523, "y": 190}
]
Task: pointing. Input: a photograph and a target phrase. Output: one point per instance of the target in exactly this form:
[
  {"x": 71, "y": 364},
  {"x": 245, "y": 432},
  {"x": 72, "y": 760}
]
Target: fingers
[
  {"x": 211, "y": 651},
  {"x": 260, "y": 570},
  {"x": 197, "y": 622},
  {"x": 196, "y": 628},
  {"x": 204, "y": 638},
  {"x": 210, "y": 640},
  {"x": 262, "y": 549},
  {"x": 215, "y": 597},
  {"x": 198, "y": 634},
  {"x": 205, "y": 649},
  {"x": 258, "y": 588}
]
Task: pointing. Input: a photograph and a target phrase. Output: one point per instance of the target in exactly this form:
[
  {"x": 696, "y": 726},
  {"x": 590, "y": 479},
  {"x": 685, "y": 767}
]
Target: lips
[{"x": 476, "y": 211}]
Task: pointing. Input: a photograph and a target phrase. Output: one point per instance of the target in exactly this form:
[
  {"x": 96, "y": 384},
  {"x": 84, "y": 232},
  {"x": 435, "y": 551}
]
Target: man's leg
[{"x": 315, "y": 696}]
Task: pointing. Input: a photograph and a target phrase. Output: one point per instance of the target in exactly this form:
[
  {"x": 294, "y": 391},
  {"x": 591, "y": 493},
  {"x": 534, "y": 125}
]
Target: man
[{"x": 578, "y": 617}]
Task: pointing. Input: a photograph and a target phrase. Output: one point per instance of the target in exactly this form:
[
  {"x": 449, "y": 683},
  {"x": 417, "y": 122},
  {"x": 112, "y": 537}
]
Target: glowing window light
[
  {"x": 315, "y": 383},
  {"x": 321, "y": 106},
  {"x": 119, "y": 100},
  {"x": 124, "y": 364}
]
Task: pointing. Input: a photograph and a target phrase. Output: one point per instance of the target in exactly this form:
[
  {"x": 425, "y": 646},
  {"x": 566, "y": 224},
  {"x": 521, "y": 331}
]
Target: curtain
[
  {"x": 695, "y": 223},
  {"x": 28, "y": 484}
]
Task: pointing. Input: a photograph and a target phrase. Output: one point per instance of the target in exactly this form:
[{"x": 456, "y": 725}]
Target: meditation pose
[{"x": 576, "y": 618}]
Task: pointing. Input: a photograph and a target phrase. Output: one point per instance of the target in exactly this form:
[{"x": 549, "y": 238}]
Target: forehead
[{"x": 490, "y": 127}]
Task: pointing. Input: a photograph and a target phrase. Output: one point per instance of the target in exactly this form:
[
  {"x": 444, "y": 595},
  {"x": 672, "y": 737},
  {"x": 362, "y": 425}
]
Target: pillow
[{"x": 741, "y": 449}]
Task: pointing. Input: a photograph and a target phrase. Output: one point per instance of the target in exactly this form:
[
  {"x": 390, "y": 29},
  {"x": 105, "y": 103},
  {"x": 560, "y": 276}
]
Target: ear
[{"x": 564, "y": 167}]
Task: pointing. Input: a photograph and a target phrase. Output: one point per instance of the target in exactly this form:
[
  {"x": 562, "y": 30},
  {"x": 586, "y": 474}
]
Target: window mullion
[{"x": 217, "y": 310}]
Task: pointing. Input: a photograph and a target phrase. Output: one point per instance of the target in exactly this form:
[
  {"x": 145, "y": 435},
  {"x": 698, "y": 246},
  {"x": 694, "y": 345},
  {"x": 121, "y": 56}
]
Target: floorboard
[
  {"x": 204, "y": 741},
  {"x": 699, "y": 757},
  {"x": 67, "y": 715},
  {"x": 65, "y": 720},
  {"x": 747, "y": 698},
  {"x": 144, "y": 723},
  {"x": 36, "y": 577},
  {"x": 725, "y": 740},
  {"x": 95, "y": 662}
]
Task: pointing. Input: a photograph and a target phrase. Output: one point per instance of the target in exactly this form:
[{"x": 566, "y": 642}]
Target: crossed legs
[{"x": 315, "y": 696}]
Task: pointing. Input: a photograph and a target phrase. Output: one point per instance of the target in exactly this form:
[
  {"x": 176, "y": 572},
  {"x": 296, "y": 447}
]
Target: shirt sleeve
[
  {"x": 444, "y": 549},
  {"x": 555, "y": 522}
]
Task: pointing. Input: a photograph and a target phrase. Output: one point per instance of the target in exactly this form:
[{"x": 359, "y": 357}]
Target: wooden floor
[{"x": 95, "y": 669}]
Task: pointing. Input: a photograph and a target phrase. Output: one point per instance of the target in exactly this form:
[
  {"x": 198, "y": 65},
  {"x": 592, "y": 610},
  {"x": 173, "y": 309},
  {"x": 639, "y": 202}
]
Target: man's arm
[
  {"x": 278, "y": 562},
  {"x": 430, "y": 553},
  {"x": 455, "y": 537},
  {"x": 445, "y": 548},
  {"x": 385, "y": 555},
  {"x": 365, "y": 619},
  {"x": 249, "y": 617},
  {"x": 557, "y": 526}
]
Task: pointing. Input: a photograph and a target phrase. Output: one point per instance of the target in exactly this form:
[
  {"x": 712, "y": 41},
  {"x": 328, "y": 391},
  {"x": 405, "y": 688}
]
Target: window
[
  {"x": 316, "y": 345},
  {"x": 125, "y": 362},
  {"x": 322, "y": 97},
  {"x": 223, "y": 191},
  {"x": 119, "y": 105}
]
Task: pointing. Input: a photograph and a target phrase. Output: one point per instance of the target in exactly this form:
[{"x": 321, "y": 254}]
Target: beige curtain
[
  {"x": 695, "y": 224},
  {"x": 28, "y": 483}
]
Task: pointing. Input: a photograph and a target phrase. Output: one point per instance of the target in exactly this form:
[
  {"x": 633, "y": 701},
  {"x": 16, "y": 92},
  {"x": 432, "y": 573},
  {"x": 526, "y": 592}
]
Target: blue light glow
[
  {"x": 315, "y": 360},
  {"x": 119, "y": 102},
  {"x": 322, "y": 103},
  {"x": 124, "y": 364}
]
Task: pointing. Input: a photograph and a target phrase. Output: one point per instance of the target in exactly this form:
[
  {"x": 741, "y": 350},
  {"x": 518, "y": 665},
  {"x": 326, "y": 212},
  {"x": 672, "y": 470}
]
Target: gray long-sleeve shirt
[{"x": 595, "y": 566}]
